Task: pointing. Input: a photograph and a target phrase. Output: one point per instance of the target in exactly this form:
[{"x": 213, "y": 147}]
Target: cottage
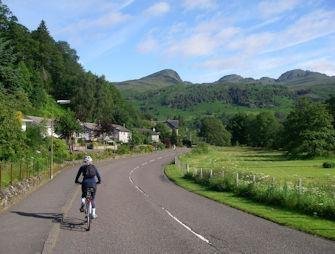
[
  {"x": 45, "y": 122},
  {"x": 89, "y": 132},
  {"x": 173, "y": 125},
  {"x": 120, "y": 133},
  {"x": 153, "y": 136}
]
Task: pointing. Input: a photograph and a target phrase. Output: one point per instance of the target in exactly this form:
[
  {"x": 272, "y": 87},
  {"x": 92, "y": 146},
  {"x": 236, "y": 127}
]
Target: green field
[
  {"x": 264, "y": 177},
  {"x": 263, "y": 163}
]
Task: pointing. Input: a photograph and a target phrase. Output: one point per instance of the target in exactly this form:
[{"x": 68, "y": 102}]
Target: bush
[
  {"x": 123, "y": 149},
  {"x": 143, "y": 149},
  {"x": 328, "y": 164},
  {"x": 201, "y": 148}
]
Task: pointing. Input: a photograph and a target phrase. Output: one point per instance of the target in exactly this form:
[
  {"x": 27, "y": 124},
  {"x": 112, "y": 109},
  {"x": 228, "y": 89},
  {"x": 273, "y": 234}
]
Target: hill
[
  {"x": 151, "y": 82},
  {"x": 164, "y": 94}
]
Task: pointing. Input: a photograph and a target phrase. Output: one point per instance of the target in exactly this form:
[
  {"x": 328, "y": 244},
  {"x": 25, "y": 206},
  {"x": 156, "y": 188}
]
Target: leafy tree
[
  {"x": 214, "y": 132},
  {"x": 66, "y": 126},
  {"x": 238, "y": 126},
  {"x": 11, "y": 136},
  {"x": 264, "y": 130},
  {"x": 309, "y": 130},
  {"x": 331, "y": 107}
]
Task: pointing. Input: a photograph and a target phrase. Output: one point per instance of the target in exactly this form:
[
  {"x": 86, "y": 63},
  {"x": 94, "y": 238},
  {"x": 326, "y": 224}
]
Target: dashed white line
[
  {"x": 144, "y": 163},
  {"x": 152, "y": 160},
  {"x": 202, "y": 238}
]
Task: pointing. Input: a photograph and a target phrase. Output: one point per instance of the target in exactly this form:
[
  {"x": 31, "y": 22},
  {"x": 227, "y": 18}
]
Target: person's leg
[
  {"x": 94, "y": 215},
  {"x": 83, "y": 195}
]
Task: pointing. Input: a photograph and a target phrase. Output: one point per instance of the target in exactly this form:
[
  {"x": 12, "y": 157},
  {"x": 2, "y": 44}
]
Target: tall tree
[
  {"x": 214, "y": 132},
  {"x": 309, "y": 130}
]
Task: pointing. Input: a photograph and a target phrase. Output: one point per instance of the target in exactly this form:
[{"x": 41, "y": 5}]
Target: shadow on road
[{"x": 66, "y": 223}]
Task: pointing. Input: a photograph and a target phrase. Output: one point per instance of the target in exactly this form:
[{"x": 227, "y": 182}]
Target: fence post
[
  {"x": 0, "y": 175},
  {"x": 211, "y": 173},
  {"x": 11, "y": 174},
  {"x": 300, "y": 185},
  {"x": 20, "y": 170},
  {"x": 188, "y": 168},
  {"x": 237, "y": 179},
  {"x": 201, "y": 173}
]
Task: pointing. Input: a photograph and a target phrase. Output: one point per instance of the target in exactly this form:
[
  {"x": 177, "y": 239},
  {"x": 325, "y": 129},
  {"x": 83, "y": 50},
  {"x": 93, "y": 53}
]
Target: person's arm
[
  {"x": 78, "y": 175},
  {"x": 98, "y": 176}
]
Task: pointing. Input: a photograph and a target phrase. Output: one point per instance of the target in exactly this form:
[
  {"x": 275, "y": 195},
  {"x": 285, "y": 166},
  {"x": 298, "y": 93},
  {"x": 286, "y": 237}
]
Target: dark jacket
[{"x": 88, "y": 181}]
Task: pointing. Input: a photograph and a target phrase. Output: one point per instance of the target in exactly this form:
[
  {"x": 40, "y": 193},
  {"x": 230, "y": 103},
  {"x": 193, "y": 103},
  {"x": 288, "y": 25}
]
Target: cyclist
[{"x": 90, "y": 173}]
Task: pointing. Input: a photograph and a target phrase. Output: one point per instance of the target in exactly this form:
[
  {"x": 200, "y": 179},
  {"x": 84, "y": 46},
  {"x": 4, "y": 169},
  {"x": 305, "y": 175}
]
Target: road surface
[{"x": 141, "y": 211}]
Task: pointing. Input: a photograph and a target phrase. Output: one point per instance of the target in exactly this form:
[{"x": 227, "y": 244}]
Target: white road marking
[
  {"x": 187, "y": 227},
  {"x": 202, "y": 238},
  {"x": 144, "y": 163},
  {"x": 159, "y": 158},
  {"x": 152, "y": 160}
]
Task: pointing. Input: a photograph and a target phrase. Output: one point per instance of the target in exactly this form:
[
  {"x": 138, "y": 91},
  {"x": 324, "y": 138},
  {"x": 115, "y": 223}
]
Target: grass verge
[{"x": 313, "y": 225}]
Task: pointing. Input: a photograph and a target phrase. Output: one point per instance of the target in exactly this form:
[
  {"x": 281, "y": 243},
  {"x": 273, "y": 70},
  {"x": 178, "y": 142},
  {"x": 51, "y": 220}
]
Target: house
[
  {"x": 120, "y": 133},
  {"x": 173, "y": 125},
  {"x": 24, "y": 123},
  {"x": 45, "y": 122},
  {"x": 89, "y": 132},
  {"x": 152, "y": 135}
]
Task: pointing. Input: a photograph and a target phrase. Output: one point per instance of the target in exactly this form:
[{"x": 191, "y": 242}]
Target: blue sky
[{"x": 202, "y": 40}]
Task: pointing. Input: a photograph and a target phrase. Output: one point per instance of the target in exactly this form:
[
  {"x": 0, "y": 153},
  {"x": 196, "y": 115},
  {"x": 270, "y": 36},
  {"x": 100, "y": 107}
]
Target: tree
[
  {"x": 238, "y": 126},
  {"x": 66, "y": 125},
  {"x": 264, "y": 129},
  {"x": 214, "y": 132},
  {"x": 308, "y": 129},
  {"x": 331, "y": 107},
  {"x": 11, "y": 136}
]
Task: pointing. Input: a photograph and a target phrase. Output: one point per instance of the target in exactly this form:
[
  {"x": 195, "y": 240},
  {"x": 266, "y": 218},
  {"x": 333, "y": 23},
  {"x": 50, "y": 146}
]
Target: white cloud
[
  {"x": 199, "y": 4},
  {"x": 196, "y": 45},
  {"x": 148, "y": 45},
  {"x": 108, "y": 20},
  {"x": 274, "y": 7},
  {"x": 322, "y": 65},
  {"x": 158, "y": 9},
  {"x": 309, "y": 27}
]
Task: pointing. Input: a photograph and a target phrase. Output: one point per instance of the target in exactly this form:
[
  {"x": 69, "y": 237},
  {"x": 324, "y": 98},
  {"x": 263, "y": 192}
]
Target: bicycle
[{"x": 88, "y": 207}]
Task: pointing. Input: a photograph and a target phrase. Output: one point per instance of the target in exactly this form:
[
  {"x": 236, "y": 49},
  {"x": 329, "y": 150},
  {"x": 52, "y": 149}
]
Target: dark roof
[
  {"x": 173, "y": 124},
  {"x": 90, "y": 126},
  {"x": 147, "y": 131},
  {"x": 120, "y": 128}
]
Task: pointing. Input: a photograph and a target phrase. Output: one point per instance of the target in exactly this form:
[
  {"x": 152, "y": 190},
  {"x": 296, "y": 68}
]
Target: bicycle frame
[{"x": 88, "y": 207}]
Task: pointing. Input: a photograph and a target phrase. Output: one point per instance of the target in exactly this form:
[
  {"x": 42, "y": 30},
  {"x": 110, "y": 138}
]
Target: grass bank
[{"x": 313, "y": 225}]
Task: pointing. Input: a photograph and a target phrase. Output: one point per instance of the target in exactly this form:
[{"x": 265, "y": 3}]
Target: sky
[{"x": 202, "y": 40}]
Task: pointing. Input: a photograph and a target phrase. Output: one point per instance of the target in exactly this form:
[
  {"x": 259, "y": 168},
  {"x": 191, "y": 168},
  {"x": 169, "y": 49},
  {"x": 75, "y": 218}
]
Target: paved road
[{"x": 141, "y": 211}]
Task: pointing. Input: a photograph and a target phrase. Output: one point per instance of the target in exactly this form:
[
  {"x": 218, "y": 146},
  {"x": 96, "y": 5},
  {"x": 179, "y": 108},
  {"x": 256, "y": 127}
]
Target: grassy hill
[{"x": 164, "y": 94}]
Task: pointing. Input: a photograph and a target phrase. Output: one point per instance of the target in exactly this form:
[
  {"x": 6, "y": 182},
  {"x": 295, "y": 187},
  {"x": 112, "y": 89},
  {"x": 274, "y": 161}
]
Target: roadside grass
[{"x": 310, "y": 224}]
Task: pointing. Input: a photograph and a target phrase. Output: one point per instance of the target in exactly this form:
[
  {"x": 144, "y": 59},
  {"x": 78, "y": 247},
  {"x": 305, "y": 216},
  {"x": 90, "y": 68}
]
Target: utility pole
[{"x": 52, "y": 138}]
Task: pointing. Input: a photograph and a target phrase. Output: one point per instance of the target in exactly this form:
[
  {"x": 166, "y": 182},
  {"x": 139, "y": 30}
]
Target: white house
[
  {"x": 89, "y": 132},
  {"x": 152, "y": 135},
  {"x": 121, "y": 134},
  {"x": 45, "y": 122}
]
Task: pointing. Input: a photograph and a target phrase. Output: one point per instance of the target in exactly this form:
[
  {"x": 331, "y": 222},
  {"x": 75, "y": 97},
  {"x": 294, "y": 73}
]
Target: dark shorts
[{"x": 84, "y": 191}]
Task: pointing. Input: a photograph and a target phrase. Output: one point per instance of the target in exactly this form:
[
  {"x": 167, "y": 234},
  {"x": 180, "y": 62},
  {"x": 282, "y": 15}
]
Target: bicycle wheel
[{"x": 88, "y": 216}]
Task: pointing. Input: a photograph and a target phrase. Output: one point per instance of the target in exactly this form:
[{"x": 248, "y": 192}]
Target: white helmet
[{"x": 88, "y": 159}]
